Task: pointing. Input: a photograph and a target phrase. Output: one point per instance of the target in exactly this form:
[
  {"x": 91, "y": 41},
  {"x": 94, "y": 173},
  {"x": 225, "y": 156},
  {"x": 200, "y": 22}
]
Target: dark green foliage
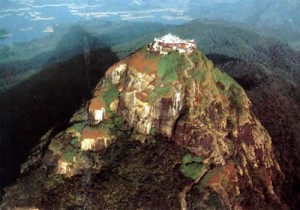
[
  {"x": 69, "y": 155},
  {"x": 191, "y": 166},
  {"x": 48, "y": 98},
  {"x": 230, "y": 123},
  {"x": 235, "y": 98},
  {"x": 74, "y": 141},
  {"x": 110, "y": 95},
  {"x": 204, "y": 181},
  {"x": 152, "y": 131},
  {"x": 144, "y": 173},
  {"x": 187, "y": 159},
  {"x": 197, "y": 159},
  {"x": 117, "y": 126},
  {"x": 78, "y": 126},
  {"x": 192, "y": 170},
  {"x": 52, "y": 180},
  {"x": 9, "y": 82}
]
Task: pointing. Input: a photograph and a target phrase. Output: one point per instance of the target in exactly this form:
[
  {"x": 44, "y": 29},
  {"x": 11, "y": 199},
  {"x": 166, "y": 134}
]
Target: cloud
[
  {"x": 5, "y": 35},
  {"x": 169, "y": 17},
  {"x": 83, "y": 6},
  {"x": 15, "y": 10},
  {"x": 6, "y": 15},
  {"x": 133, "y": 16},
  {"x": 138, "y": 2},
  {"x": 40, "y": 18},
  {"x": 34, "y": 14},
  {"x": 126, "y": 15},
  {"x": 91, "y": 14},
  {"x": 26, "y": 29},
  {"x": 48, "y": 30},
  {"x": 137, "y": 17}
]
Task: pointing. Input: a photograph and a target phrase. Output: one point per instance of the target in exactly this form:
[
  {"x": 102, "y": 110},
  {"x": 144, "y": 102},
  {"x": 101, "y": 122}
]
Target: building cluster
[{"x": 170, "y": 43}]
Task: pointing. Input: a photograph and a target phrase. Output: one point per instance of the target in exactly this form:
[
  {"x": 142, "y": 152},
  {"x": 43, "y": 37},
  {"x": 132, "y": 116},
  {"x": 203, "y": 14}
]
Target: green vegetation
[
  {"x": 169, "y": 66},
  {"x": 198, "y": 159},
  {"x": 152, "y": 131},
  {"x": 9, "y": 82},
  {"x": 223, "y": 78},
  {"x": 191, "y": 166},
  {"x": 187, "y": 159},
  {"x": 117, "y": 129},
  {"x": 110, "y": 95},
  {"x": 199, "y": 75},
  {"x": 230, "y": 122},
  {"x": 149, "y": 56},
  {"x": 197, "y": 57},
  {"x": 152, "y": 141},
  {"x": 158, "y": 92},
  {"x": 69, "y": 155},
  {"x": 204, "y": 181},
  {"x": 74, "y": 141},
  {"x": 78, "y": 127},
  {"x": 236, "y": 99},
  {"x": 52, "y": 180},
  {"x": 114, "y": 126},
  {"x": 192, "y": 170}
]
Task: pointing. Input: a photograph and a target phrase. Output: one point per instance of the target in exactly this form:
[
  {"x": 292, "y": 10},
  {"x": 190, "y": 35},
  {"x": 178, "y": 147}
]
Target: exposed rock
[{"x": 180, "y": 98}]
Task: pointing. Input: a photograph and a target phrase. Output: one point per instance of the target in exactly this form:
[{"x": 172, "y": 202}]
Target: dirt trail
[{"x": 192, "y": 65}]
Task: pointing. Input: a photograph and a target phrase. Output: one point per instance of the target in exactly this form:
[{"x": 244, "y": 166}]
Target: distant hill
[{"x": 21, "y": 60}]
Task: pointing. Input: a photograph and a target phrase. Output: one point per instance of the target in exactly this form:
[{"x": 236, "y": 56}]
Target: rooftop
[{"x": 169, "y": 38}]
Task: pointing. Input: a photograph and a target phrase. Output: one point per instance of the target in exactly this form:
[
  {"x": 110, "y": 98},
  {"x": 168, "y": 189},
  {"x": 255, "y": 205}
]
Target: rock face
[{"x": 226, "y": 158}]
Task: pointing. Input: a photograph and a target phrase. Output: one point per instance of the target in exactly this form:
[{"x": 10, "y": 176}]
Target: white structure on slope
[{"x": 170, "y": 43}]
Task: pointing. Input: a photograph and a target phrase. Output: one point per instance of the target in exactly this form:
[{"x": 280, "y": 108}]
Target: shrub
[
  {"x": 78, "y": 127},
  {"x": 68, "y": 156},
  {"x": 74, "y": 141},
  {"x": 191, "y": 166},
  {"x": 192, "y": 170},
  {"x": 187, "y": 159}
]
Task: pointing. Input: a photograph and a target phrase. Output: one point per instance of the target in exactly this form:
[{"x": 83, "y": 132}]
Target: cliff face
[{"x": 217, "y": 150}]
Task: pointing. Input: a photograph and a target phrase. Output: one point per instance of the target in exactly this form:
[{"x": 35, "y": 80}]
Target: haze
[{"x": 23, "y": 20}]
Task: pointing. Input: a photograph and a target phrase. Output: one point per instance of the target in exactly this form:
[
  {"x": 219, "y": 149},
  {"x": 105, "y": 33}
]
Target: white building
[{"x": 170, "y": 43}]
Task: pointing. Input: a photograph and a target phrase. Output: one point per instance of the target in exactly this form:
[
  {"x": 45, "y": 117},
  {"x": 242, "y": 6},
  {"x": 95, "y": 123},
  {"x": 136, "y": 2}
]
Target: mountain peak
[
  {"x": 185, "y": 99},
  {"x": 152, "y": 98}
]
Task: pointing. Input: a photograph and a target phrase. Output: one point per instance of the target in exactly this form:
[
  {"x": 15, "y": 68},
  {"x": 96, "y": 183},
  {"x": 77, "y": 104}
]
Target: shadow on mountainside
[
  {"x": 71, "y": 43},
  {"x": 275, "y": 102},
  {"x": 49, "y": 98}
]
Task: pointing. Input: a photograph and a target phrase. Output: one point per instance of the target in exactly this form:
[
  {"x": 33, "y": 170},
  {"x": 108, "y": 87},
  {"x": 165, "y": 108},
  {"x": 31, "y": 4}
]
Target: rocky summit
[{"x": 161, "y": 132}]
